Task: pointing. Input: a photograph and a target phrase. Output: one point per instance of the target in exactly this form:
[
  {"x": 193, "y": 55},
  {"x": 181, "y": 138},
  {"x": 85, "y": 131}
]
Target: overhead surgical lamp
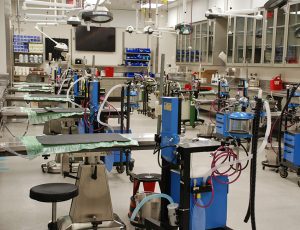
[
  {"x": 58, "y": 45},
  {"x": 184, "y": 29},
  {"x": 273, "y": 4},
  {"x": 92, "y": 12},
  {"x": 74, "y": 21},
  {"x": 99, "y": 16}
]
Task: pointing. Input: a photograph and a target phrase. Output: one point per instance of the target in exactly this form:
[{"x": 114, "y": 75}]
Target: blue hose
[{"x": 148, "y": 198}]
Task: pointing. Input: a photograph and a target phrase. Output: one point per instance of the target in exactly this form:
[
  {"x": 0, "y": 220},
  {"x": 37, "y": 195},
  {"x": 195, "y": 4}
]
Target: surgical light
[
  {"x": 152, "y": 5},
  {"x": 99, "y": 16},
  {"x": 58, "y": 45}
]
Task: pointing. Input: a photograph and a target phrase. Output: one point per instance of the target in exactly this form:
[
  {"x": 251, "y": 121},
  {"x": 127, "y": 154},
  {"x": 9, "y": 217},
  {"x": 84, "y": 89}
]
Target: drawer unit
[{"x": 292, "y": 148}]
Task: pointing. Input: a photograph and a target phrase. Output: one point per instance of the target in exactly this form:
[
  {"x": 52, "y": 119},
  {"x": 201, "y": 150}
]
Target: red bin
[
  {"x": 109, "y": 71},
  {"x": 276, "y": 83}
]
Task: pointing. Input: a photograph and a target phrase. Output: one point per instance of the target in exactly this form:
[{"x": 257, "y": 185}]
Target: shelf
[
  {"x": 129, "y": 66},
  {"x": 137, "y": 60},
  {"x": 28, "y": 53},
  {"x": 20, "y": 63},
  {"x": 139, "y": 53}
]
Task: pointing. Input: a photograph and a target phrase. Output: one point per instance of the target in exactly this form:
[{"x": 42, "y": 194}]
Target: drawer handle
[
  {"x": 288, "y": 151},
  {"x": 219, "y": 127},
  {"x": 289, "y": 140}
]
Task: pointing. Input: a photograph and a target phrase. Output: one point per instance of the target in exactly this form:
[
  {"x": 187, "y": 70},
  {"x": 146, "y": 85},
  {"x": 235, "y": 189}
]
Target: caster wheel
[
  {"x": 283, "y": 173},
  {"x": 264, "y": 167},
  {"x": 193, "y": 126},
  {"x": 120, "y": 169},
  {"x": 131, "y": 165},
  {"x": 277, "y": 170},
  {"x": 131, "y": 179},
  {"x": 43, "y": 166}
]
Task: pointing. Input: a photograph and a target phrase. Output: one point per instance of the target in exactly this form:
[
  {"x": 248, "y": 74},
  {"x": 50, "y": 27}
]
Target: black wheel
[
  {"x": 131, "y": 165},
  {"x": 120, "y": 169},
  {"x": 131, "y": 179},
  {"x": 264, "y": 167},
  {"x": 277, "y": 170},
  {"x": 193, "y": 126},
  {"x": 43, "y": 169},
  {"x": 298, "y": 183},
  {"x": 283, "y": 173}
]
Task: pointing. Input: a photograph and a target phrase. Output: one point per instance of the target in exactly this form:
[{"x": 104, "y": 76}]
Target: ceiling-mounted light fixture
[
  {"x": 74, "y": 21},
  {"x": 92, "y": 12},
  {"x": 273, "y": 4},
  {"x": 58, "y": 45},
  {"x": 99, "y": 16},
  {"x": 184, "y": 29}
]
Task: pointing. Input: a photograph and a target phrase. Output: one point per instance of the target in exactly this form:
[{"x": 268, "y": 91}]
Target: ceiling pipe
[
  {"x": 45, "y": 16},
  {"x": 50, "y": 4}
]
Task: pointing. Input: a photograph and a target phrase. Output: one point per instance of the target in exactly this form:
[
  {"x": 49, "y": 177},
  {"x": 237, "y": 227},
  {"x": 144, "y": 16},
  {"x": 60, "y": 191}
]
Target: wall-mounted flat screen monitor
[{"x": 101, "y": 39}]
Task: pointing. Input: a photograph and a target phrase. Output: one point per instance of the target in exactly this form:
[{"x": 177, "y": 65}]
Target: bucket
[
  {"x": 109, "y": 71},
  {"x": 151, "y": 209}
]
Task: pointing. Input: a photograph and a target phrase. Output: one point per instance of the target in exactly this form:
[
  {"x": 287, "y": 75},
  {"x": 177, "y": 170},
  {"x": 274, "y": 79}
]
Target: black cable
[
  {"x": 157, "y": 150},
  {"x": 26, "y": 130},
  {"x": 255, "y": 130}
]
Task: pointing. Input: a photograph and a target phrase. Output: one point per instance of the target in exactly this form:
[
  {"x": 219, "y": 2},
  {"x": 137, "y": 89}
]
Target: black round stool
[{"x": 53, "y": 193}]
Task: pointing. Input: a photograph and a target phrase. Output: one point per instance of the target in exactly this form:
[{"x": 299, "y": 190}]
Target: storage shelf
[
  {"x": 28, "y": 53},
  {"x": 139, "y": 53},
  {"x": 27, "y": 63},
  {"x": 137, "y": 60}
]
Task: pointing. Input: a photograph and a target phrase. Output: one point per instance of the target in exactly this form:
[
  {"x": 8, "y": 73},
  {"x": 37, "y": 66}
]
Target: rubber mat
[{"x": 80, "y": 138}]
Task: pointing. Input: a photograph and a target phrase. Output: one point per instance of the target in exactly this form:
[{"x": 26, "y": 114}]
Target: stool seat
[
  {"x": 53, "y": 192},
  {"x": 147, "y": 177}
]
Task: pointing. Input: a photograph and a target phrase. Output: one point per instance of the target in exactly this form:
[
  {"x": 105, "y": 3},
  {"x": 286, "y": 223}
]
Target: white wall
[{"x": 3, "y": 64}]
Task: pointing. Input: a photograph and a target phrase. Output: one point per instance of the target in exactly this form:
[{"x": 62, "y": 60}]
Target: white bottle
[
  {"x": 21, "y": 58},
  {"x": 36, "y": 59},
  {"x": 26, "y": 58}
]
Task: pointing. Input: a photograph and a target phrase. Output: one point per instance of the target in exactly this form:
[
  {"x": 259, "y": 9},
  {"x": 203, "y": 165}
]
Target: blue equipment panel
[
  {"x": 291, "y": 151},
  {"x": 169, "y": 132},
  {"x": 214, "y": 216},
  {"x": 222, "y": 124}
]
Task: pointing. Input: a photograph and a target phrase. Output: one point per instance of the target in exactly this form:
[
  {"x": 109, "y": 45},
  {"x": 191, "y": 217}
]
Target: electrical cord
[
  {"x": 157, "y": 150},
  {"x": 24, "y": 134},
  {"x": 251, "y": 206}
]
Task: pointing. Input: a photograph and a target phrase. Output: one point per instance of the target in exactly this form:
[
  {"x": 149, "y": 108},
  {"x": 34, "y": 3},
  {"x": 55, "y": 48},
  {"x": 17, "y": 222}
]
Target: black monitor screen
[{"x": 97, "y": 39}]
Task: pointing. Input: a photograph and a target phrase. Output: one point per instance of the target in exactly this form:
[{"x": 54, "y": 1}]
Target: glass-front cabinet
[
  {"x": 269, "y": 36},
  {"x": 279, "y": 36},
  {"x": 239, "y": 40},
  {"x": 293, "y": 39},
  {"x": 230, "y": 33},
  {"x": 200, "y": 46},
  {"x": 249, "y": 40}
]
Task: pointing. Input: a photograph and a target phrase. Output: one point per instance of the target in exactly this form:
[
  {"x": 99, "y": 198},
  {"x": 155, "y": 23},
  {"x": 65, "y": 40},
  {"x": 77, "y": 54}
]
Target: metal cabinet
[{"x": 204, "y": 44}]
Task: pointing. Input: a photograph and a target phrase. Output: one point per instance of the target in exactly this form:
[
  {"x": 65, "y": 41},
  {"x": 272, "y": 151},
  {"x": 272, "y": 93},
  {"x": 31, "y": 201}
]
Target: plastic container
[
  {"x": 150, "y": 209},
  {"x": 109, "y": 71},
  {"x": 276, "y": 83}
]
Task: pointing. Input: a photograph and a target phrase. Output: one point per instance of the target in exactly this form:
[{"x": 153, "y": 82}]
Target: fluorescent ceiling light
[{"x": 153, "y": 5}]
